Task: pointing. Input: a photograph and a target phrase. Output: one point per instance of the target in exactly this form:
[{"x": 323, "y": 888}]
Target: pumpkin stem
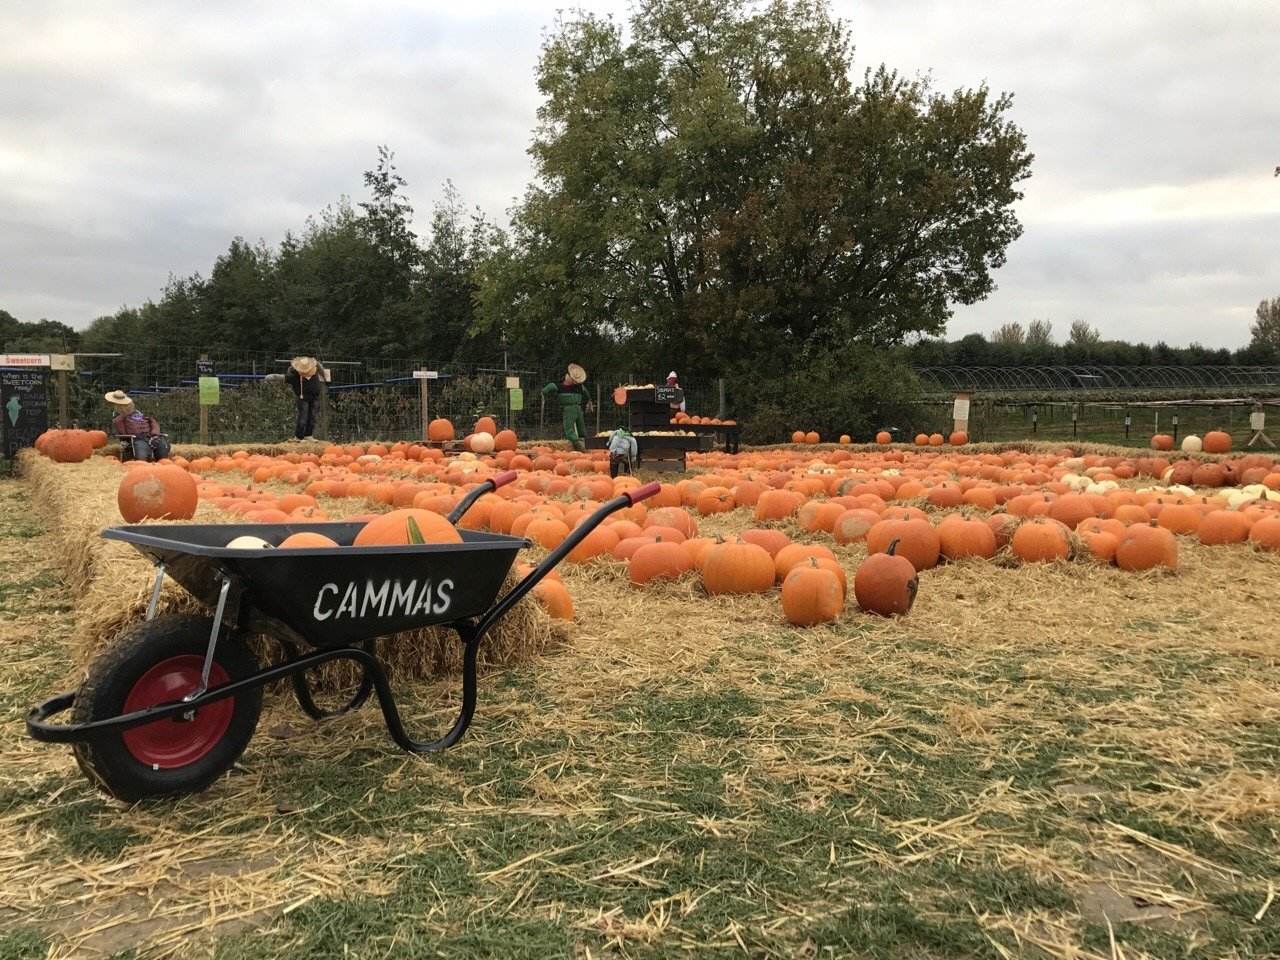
[
  {"x": 893, "y": 546},
  {"x": 415, "y": 534}
]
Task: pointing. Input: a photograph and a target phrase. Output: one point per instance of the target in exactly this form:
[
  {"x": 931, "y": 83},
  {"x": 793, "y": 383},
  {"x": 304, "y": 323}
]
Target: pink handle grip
[
  {"x": 640, "y": 493},
  {"x": 502, "y": 479}
]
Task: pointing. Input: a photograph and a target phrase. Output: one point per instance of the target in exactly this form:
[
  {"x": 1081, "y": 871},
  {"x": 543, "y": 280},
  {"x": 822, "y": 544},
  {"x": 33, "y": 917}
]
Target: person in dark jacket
[
  {"x": 304, "y": 377},
  {"x": 573, "y": 396},
  {"x": 139, "y": 435}
]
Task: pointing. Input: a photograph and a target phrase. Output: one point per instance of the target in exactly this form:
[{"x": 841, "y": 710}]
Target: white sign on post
[
  {"x": 961, "y": 409},
  {"x": 1257, "y": 421},
  {"x": 426, "y": 374}
]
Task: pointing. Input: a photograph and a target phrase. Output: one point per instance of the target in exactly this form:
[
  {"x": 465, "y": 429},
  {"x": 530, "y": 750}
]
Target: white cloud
[{"x": 136, "y": 139}]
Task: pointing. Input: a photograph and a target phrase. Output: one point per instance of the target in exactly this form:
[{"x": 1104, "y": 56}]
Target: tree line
[{"x": 716, "y": 189}]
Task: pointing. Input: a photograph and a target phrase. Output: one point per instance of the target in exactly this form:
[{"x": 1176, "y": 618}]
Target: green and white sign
[{"x": 208, "y": 391}]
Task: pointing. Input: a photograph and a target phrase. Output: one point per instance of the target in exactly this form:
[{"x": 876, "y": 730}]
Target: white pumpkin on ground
[
  {"x": 482, "y": 442},
  {"x": 1192, "y": 444}
]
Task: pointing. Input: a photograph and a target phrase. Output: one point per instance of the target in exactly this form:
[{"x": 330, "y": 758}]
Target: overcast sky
[{"x": 138, "y": 138}]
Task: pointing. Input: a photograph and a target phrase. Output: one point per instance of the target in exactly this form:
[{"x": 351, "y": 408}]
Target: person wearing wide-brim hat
[
  {"x": 305, "y": 377},
  {"x": 139, "y": 435},
  {"x": 573, "y": 396}
]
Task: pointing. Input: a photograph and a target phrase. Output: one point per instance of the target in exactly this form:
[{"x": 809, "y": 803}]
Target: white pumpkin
[
  {"x": 1192, "y": 444},
  {"x": 482, "y": 442},
  {"x": 249, "y": 543}
]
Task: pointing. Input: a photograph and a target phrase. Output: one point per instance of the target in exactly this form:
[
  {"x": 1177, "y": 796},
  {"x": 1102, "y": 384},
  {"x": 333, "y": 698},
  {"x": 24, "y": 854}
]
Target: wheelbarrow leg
[
  {"x": 377, "y": 677},
  {"x": 302, "y": 689}
]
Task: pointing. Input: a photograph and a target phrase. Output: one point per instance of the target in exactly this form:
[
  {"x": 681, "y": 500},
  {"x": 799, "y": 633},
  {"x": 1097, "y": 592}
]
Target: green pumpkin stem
[{"x": 415, "y": 534}]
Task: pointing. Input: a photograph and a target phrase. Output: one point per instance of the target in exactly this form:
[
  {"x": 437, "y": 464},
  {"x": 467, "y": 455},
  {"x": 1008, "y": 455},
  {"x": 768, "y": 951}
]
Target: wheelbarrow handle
[
  {"x": 493, "y": 483},
  {"x": 642, "y": 493}
]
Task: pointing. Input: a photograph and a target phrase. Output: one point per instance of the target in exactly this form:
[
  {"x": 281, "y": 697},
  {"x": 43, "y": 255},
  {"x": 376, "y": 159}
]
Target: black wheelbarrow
[{"x": 170, "y": 706}]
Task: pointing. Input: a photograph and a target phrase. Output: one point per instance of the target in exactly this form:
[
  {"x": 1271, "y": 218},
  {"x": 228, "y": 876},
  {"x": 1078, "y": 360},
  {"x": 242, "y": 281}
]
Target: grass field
[{"x": 1053, "y": 761}]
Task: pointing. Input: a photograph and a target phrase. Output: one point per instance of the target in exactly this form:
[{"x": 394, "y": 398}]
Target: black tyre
[{"x": 155, "y": 662}]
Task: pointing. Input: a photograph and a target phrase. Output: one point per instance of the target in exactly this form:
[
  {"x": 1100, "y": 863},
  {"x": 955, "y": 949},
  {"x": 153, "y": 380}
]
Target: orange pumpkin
[
  {"x": 68, "y": 446},
  {"x": 737, "y": 568},
  {"x": 886, "y": 584},
  {"x": 555, "y": 599},
  {"x": 1224, "y": 526},
  {"x": 771, "y": 540},
  {"x": 306, "y": 539},
  {"x": 440, "y": 430},
  {"x": 393, "y": 529},
  {"x": 1145, "y": 547},
  {"x": 1217, "y": 441},
  {"x": 1040, "y": 541},
  {"x": 155, "y": 492},
  {"x": 658, "y": 560},
  {"x": 967, "y": 538},
  {"x": 1266, "y": 533},
  {"x": 796, "y": 553},
  {"x": 811, "y": 595},
  {"x": 918, "y": 541}
]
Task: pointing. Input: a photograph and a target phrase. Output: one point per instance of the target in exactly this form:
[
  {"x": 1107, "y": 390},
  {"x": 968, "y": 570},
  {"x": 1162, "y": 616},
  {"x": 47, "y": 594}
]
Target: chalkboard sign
[
  {"x": 666, "y": 395},
  {"x": 204, "y": 368},
  {"x": 25, "y": 402}
]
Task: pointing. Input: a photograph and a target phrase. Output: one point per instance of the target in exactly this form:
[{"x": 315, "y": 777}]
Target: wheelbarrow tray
[{"x": 333, "y": 596}]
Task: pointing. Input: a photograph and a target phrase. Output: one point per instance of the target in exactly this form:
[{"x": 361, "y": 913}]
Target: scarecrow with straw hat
[
  {"x": 573, "y": 396},
  {"x": 304, "y": 377},
  {"x": 139, "y": 435}
]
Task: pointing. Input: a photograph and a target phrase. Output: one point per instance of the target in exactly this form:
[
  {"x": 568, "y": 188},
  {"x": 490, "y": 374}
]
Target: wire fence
[
  {"x": 381, "y": 399},
  {"x": 1147, "y": 379},
  {"x": 1125, "y": 424},
  {"x": 365, "y": 398}
]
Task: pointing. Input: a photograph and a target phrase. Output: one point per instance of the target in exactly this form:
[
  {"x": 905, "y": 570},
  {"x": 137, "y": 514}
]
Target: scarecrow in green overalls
[{"x": 573, "y": 397}]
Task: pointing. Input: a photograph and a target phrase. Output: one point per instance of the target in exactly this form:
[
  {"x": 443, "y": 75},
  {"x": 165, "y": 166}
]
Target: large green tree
[
  {"x": 1265, "y": 329},
  {"x": 715, "y": 190}
]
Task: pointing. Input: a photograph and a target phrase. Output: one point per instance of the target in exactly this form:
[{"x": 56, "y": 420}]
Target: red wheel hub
[{"x": 176, "y": 742}]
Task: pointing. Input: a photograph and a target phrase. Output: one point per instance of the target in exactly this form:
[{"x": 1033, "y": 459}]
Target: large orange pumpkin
[
  {"x": 68, "y": 446},
  {"x": 1145, "y": 547},
  {"x": 393, "y": 529},
  {"x": 155, "y": 492},
  {"x": 737, "y": 568},
  {"x": 886, "y": 584},
  {"x": 1041, "y": 540},
  {"x": 811, "y": 595},
  {"x": 659, "y": 560},
  {"x": 1217, "y": 441},
  {"x": 919, "y": 541},
  {"x": 440, "y": 430}
]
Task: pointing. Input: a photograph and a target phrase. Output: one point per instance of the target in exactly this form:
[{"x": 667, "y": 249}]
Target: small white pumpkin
[
  {"x": 1192, "y": 444},
  {"x": 249, "y": 543}
]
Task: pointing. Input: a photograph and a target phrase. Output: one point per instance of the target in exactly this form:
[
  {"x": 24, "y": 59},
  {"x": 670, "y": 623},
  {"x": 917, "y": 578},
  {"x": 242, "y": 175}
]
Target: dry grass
[{"x": 1056, "y": 760}]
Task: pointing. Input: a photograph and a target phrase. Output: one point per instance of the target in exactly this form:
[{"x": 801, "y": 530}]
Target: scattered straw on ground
[{"x": 1065, "y": 725}]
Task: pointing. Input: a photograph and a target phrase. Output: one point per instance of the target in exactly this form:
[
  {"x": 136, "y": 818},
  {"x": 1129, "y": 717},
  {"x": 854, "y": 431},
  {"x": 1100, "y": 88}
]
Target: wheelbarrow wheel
[{"x": 155, "y": 662}]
